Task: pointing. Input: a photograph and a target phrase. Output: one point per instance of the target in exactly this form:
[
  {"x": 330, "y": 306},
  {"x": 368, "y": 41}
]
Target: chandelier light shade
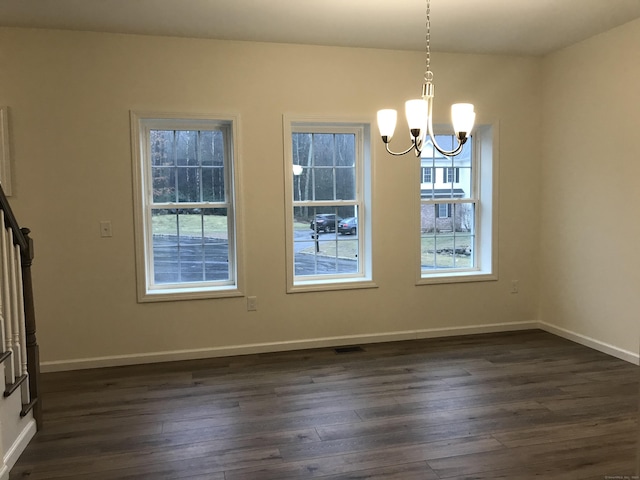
[{"x": 419, "y": 113}]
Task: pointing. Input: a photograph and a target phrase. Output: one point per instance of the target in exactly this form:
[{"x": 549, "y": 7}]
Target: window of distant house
[
  {"x": 186, "y": 215},
  {"x": 427, "y": 174},
  {"x": 444, "y": 210},
  {"x": 327, "y": 169},
  {"x": 456, "y": 211},
  {"x": 451, "y": 175}
]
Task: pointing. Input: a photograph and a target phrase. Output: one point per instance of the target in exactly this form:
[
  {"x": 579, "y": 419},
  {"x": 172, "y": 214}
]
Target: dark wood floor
[{"x": 525, "y": 405}]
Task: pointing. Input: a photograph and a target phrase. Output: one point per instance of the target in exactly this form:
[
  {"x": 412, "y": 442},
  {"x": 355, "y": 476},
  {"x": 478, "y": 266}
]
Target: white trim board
[
  {"x": 195, "y": 354},
  {"x": 18, "y": 447},
  {"x": 603, "y": 347}
]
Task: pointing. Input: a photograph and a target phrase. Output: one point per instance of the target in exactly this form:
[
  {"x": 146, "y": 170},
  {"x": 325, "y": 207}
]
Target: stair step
[{"x": 12, "y": 387}]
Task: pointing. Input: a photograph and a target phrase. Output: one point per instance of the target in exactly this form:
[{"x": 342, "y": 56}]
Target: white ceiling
[{"x": 531, "y": 27}]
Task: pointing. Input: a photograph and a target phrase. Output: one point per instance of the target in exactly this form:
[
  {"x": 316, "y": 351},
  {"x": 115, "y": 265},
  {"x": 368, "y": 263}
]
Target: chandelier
[{"x": 419, "y": 113}]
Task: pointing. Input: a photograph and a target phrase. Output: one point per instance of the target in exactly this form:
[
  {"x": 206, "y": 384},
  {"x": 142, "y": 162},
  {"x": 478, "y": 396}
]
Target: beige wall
[
  {"x": 70, "y": 94},
  {"x": 590, "y": 274}
]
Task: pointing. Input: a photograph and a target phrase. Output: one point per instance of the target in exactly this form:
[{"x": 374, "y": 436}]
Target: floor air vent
[{"x": 340, "y": 350}]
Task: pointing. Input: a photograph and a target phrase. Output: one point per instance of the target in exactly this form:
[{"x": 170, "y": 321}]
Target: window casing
[
  {"x": 457, "y": 211},
  {"x": 186, "y": 207},
  {"x": 327, "y": 180}
]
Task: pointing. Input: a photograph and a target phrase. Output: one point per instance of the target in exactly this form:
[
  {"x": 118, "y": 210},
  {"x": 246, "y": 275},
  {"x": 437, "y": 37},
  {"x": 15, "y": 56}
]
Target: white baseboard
[
  {"x": 603, "y": 347},
  {"x": 156, "y": 357},
  {"x": 195, "y": 354},
  {"x": 14, "y": 452}
]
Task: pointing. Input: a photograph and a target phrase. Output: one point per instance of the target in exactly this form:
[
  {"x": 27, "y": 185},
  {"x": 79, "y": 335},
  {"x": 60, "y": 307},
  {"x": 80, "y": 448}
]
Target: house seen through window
[{"x": 454, "y": 238}]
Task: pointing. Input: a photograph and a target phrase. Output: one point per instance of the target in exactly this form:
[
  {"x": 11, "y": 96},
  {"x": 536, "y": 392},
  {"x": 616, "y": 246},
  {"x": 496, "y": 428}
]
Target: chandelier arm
[
  {"x": 397, "y": 154},
  {"x": 446, "y": 153}
]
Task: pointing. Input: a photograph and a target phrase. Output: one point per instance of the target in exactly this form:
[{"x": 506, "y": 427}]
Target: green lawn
[
  {"x": 215, "y": 226},
  {"x": 440, "y": 257},
  {"x": 437, "y": 251},
  {"x": 345, "y": 246}
]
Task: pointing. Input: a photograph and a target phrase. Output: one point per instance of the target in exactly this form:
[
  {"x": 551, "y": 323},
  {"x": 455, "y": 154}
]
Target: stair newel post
[{"x": 33, "y": 350}]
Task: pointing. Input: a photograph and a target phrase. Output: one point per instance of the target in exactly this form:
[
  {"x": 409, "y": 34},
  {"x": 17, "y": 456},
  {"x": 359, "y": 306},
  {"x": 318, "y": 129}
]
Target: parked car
[
  {"x": 326, "y": 222},
  {"x": 348, "y": 225}
]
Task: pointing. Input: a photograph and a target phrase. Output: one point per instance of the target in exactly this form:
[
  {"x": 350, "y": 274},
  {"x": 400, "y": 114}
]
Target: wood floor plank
[
  {"x": 582, "y": 449},
  {"x": 350, "y": 463},
  {"x": 410, "y": 471},
  {"x": 517, "y": 405}
]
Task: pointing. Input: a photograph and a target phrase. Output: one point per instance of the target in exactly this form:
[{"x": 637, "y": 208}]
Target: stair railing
[{"x": 20, "y": 354}]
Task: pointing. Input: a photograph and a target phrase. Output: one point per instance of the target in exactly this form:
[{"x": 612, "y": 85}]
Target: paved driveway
[{"x": 193, "y": 261}]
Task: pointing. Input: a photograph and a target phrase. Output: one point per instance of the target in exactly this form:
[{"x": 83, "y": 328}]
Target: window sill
[
  {"x": 176, "y": 294},
  {"x": 457, "y": 277},
  {"x": 328, "y": 285}
]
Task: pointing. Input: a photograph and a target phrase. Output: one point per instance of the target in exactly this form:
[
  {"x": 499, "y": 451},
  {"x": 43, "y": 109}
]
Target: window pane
[
  {"x": 301, "y": 146},
  {"x": 213, "y": 184},
  {"x": 446, "y": 142},
  {"x": 190, "y": 245},
  {"x": 324, "y": 184},
  {"x": 162, "y": 147},
  {"x": 189, "y": 182},
  {"x": 464, "y": 158},
  {"x": 464, "y": 216},
  {"x": 302, "y": 185},
  {"x": 216, "y": 244},
  {"x": 165, "y": 237},
  {"x": 447, "y": 242},
  {"x": 194, "y": 183},
  {"x": 463, "y": 186},
  {"x": 319, "y": 246},
  {"x": 164, "y": 184},
  {"x": 345, "y": 183},
  {"x": 428, "y": 218},
  {"x": 186, "y": 148},
  {"x": 211, "y": 148},
  {"x": 323, "y": 149},
  {"x": 347, "y": 252},
  {"x": 345, "y": 150}
]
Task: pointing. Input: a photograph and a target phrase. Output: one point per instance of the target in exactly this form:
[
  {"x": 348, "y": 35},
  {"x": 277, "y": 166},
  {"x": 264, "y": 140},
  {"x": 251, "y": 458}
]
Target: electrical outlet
[
  {"x": 252, "y": 304},
  {"x": 515, "y": 288},
  {"x": 105, "y": 229}
]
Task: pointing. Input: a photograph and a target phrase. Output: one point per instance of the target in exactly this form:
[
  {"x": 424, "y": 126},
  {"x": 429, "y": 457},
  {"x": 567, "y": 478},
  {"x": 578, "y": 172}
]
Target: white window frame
[
  {"x": 141, "y": 125},
  {"x": 361, "y": 128},
  {"x": 485, "y": 163}
]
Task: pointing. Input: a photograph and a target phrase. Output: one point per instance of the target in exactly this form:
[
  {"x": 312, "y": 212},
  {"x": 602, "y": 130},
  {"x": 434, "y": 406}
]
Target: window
[
  {"x": 427, "y": 174},
  {"x": 456, "y": 215},
  {"x": 444, "y": 210},
  {"x": 451, "y": 175},
  {"x": 186, "y": 208},
  {"x": 328, "y": 195}
]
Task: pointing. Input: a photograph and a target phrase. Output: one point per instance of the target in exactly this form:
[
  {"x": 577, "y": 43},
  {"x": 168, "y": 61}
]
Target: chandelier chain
[{"x": 428, "y": 76}]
